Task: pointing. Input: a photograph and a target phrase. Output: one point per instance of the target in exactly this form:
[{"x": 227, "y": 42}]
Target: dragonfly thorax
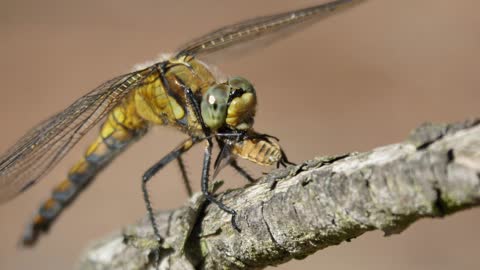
[{"x": 230, "y": 104}]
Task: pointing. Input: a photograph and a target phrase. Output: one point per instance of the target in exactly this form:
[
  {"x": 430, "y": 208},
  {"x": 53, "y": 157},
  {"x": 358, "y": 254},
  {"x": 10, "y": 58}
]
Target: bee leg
[
  {"x": 186, "y": 182},
  {"x": 284, "y": 160},
  {"x": 242, "y": 171},
  {"x": 182, "y": 148},
  {"x": 205, "y": 173}
]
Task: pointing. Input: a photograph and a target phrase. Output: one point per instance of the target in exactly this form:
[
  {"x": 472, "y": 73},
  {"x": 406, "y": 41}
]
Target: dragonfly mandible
[{"x": 180, "y": 92}]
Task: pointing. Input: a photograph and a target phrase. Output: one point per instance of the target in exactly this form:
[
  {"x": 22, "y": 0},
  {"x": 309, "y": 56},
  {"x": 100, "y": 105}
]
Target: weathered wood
[{"x": 293, "y": 212}]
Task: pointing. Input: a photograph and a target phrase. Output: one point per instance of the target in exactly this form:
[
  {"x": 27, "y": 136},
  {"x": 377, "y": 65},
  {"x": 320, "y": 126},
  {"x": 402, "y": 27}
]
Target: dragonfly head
[{"x": 230, "y": 104}]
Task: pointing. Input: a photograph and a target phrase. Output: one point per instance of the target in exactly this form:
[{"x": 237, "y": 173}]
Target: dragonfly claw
[{"x": 234, "y": 222}]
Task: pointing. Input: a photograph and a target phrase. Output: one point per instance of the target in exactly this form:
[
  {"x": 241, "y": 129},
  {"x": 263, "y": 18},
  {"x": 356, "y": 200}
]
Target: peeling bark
[{"x": 293, "y": 212}]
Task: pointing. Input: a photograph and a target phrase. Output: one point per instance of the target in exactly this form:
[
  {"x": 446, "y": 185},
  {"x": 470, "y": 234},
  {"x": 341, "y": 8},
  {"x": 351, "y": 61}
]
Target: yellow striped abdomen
[
  {"x": 156, "y": 100},
  {"x": 122, "y": 127}
]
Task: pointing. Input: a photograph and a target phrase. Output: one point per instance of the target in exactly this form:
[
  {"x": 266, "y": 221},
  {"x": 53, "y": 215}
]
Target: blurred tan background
[{"x": 359, "y": 80}]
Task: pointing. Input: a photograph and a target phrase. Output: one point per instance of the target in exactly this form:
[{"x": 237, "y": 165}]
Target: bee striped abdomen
[
  {"x": 121, "y": 128},
  {"x": 262, "y": 152}
]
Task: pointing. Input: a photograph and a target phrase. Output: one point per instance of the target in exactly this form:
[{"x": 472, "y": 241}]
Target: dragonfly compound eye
[
  {"x": 242, "y": 101},
  {"x": 214, "y": 106}
]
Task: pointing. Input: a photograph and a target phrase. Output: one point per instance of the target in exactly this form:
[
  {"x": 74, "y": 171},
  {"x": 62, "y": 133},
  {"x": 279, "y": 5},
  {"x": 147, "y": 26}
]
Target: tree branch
[{"x": 293, "y": 212}]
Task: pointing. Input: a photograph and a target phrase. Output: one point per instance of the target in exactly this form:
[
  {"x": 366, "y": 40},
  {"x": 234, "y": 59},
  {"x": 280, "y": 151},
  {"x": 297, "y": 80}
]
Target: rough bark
[{"x": 293, "y": 212}]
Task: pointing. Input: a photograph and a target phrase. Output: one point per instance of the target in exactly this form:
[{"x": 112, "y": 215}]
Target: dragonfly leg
[
  {"x": 205, "y": 173},
  {"x": 242, "y": 171},
  {"x": 186, "y": 182},
  {"x": 207, "y": 156},
  {"x": 182, "y": 148}
]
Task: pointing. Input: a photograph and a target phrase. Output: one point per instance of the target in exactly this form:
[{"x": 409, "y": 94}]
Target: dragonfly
[{"x": 181, "y": 92}]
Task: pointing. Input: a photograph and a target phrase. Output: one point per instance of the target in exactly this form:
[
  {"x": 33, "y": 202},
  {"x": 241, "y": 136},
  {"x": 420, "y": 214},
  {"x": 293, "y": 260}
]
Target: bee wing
[
  {"x": 260, "y": 31},
  {"x": 45, "y": 144}
]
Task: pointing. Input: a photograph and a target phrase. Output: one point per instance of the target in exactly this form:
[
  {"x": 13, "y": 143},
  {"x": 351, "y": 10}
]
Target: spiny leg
[
  {"x": 205, "y": 175},
  {"x": 186, "y": 182},
  {"x": 182, "y": 148},
  {"x": 228, "y": 155},
  {"x": 190, "y": 97},
  {"x": 242, "y": 171},
  {"x": 284, "y": 161}
]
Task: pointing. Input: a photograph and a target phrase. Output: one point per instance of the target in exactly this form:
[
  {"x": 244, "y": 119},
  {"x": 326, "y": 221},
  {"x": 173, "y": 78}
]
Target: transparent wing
[
  {"x": 262, "y": 30},
  {"x": 223, "y": 159},
  {"x": 44, "y": 145}
]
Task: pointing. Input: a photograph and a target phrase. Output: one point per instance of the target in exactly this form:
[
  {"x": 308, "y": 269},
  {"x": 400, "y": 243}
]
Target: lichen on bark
[{"x": 293, "y": 212}]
